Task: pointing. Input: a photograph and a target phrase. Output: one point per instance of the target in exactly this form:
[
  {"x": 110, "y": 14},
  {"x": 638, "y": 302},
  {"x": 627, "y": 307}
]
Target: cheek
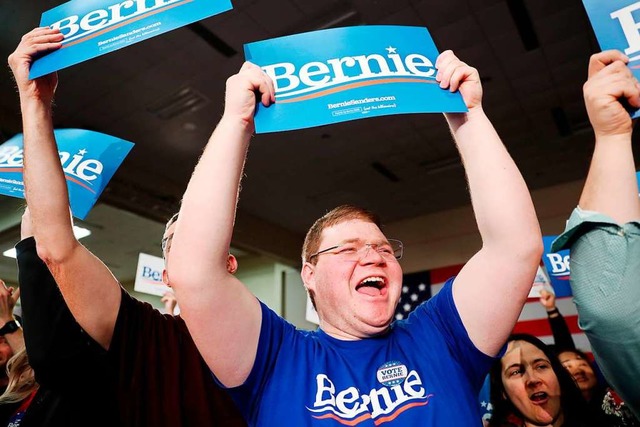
[
  {"x": 514, "y": 391},
  {"x": 554, "y": 385},
  {"x": 333, "y": 281}
]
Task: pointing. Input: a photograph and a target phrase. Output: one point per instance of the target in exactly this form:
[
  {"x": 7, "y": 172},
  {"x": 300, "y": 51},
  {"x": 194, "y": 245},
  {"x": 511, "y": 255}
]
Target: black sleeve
[
  {"x": 60, "y": 352},
  {"x": 561, "y": 335}
]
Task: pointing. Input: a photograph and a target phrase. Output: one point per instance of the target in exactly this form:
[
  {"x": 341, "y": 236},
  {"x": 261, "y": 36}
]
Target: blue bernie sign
[
  {"x": 89, "y": 160},
  {"x": 557, "y": 264},
  {"x": 615, "y": 23},
  {"x": 95, "y": 27},
  {"x": 342, "y": 74}
]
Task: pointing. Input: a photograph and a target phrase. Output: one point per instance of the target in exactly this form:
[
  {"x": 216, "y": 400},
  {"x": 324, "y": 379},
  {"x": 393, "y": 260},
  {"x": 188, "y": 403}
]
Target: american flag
[{"x": 418, "y": 287}]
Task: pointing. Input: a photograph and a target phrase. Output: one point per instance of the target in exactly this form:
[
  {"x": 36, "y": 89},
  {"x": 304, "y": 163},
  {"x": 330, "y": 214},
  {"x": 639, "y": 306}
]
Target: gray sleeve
[{"x": 605, "y": 280}]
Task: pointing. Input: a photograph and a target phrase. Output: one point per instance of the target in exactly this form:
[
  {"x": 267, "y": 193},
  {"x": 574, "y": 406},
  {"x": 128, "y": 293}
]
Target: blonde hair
[{"x": 22, "y": 381}]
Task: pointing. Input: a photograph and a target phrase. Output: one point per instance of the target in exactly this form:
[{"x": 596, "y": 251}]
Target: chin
[
  {"x": 543, "y": 419},
  {"x": 379, "y": 325}
]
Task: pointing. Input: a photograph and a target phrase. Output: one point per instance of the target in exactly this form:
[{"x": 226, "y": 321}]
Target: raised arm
[
  {"x": 88, "y": 287},
  {"x": 611, "y": 187},
  {"x": 223, "y": 317},
  {"x": 605, "y": 261},
  {"x": 52, "y": 336},
  {"x": 492, "y": 288},
  {"x": 8, "y": 298},
  {"x": 562, "y": 338}
]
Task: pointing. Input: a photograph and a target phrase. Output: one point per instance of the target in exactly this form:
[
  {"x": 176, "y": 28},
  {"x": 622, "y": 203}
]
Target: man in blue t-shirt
[{"x": 359, "y": 368}]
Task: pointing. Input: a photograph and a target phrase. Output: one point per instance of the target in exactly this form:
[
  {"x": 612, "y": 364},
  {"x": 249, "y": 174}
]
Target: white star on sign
[
  {"x": 483, "y": 404},
  {"x": 405, "y": 289},
  {"x": 422, "y": 287},
  {"x": 399, "y": 316},
  {"x": 82, "y": 152},
  {"x": 390, "y": 50},
  {"x": 406, "y": 307},
  {"x": 414, "y": 297}
]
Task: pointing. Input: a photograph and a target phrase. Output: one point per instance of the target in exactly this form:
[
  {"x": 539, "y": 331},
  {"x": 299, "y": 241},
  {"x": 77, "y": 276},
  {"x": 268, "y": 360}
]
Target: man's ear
[
  {"x": 165, "y": 277},
  {"x": 232, "y": 264},
  {"x": 307, "y": 274}
]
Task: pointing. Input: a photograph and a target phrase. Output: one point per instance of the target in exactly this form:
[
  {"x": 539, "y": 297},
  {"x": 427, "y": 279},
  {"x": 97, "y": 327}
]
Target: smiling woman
[{"x": 529, "y": 387}]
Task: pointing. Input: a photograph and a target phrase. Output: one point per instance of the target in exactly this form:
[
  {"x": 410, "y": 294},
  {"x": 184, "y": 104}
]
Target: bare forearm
[
  {"x": 89, "y": 289},
  {"x": 208, "y": 293},
  {"x": 501, "y": 201},
  {"x": 511, "y": 240},
  {"x": 45, "y": 185},
  {"x": 611, "y": 187},
  {"x": 208, "y": 209}
]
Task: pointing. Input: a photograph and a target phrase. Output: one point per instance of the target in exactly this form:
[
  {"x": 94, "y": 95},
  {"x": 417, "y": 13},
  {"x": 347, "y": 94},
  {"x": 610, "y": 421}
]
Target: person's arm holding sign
[
  {"x": 492, "y": 288},
  {"x": 88, "y": 287},
  {"x": 208, "y": 293},
  {"x": 611, "y": 187},
  {"x": 604, "y": 231}
]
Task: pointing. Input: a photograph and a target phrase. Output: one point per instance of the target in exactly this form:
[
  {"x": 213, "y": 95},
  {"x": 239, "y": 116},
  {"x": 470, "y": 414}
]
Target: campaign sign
[
  {"x": 541, "y": 282},
  {"x": 89, "y": 160},
  {"x": 557, "y": 264},
  {"x": 95, "y": 27},
  {"x": 149, "y": 275},
  {"x": 342, "y": 74},
  {"x": 615, "y": 23},
  {"x": 311, "y": 315}
]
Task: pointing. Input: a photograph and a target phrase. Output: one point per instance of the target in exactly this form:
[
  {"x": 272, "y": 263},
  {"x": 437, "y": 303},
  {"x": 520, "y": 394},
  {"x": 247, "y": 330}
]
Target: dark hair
[
  {"x": 580, "y": 353},
  {"x": 573, "y": 405}
]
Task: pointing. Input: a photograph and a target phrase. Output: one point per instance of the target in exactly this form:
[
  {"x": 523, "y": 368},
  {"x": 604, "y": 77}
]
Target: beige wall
[
  {"x": 431, "y": 241},
  {"x": 451, "y": 237},
  {"x": 434, "y": 240}
]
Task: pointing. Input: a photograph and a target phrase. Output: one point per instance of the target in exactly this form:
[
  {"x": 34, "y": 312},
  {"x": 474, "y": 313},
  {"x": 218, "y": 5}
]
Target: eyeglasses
[{"x": 355, "y": 251}]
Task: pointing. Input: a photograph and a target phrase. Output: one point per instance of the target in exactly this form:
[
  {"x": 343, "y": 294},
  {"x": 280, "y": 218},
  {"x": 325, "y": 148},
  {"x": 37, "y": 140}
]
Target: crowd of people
[{"x": 95, "y": 355}]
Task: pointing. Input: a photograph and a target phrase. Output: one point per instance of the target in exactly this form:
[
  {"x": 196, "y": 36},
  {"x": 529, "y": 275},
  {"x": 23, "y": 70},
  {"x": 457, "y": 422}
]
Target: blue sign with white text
[
  {"x": 342, "y": 74},
  {"x": 95, "y": 27},
  {"x": 615, "y": 23},
  {"x": 89, "y": 160},
  {"x": 558, "y": 268}
]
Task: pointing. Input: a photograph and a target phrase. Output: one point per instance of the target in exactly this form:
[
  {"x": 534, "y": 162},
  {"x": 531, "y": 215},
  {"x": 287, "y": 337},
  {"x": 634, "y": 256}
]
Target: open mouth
[
  {"x": 372, "y": 286},
  {"x": 579, "y": 378},
  {"x": 540, "y": 397}
]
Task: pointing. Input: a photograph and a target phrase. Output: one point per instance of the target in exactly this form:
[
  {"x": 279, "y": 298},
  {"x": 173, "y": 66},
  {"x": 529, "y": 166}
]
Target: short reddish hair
[{"x": 336, "y": 216}]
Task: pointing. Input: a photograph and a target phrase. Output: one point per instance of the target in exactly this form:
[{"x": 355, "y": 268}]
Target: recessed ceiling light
[
  {"x": 81, "y": 232},
  {"x": 10, "y": 253}
]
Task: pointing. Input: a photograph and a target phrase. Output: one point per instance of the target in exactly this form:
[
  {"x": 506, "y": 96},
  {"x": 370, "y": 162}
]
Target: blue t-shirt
[{"x": 424, "y": 372}]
